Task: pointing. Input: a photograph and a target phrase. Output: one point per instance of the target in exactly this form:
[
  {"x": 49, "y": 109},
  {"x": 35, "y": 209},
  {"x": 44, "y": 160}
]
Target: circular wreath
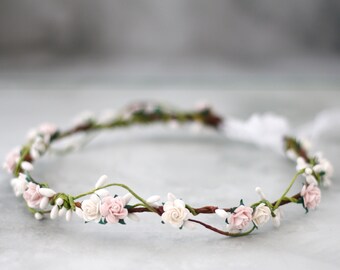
[{"x": 101, "y": 207}]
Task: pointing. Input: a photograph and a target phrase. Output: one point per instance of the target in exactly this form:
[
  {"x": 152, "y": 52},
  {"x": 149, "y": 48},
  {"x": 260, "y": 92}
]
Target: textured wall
[{"x": 170, "y": 28}]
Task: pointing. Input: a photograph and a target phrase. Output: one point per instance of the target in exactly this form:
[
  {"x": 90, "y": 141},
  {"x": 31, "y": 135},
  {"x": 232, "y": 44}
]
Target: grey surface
[{"x": 201, "y": 169}]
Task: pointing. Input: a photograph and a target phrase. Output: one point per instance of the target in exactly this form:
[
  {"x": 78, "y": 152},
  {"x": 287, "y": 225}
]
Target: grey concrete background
[
  {"x": 200, "y": 168},
  {"x": 171, "y": 36}
]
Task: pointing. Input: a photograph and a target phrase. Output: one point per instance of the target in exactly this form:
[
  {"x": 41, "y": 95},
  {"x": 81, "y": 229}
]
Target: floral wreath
[{"x": 101, "y": 207}]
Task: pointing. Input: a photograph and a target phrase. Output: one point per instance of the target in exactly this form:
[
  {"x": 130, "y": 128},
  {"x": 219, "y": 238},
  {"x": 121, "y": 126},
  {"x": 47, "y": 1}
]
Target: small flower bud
[
  {"x": 133, "y": 217},
  {"x": 308, "y": 171},
  {"x": 68, "y": 215},
  {"x": 318, "y": 168},
  {"x": 62, "y": 211},
  {"x": 127, "y": 197},
  {"x": 101, "y": 181},
  {"x": 38, "y": 216},
  {"x": 260, "y": 192},
  {"x": 26, "y": 166},
  {"x": 153, "y": 199},
  {"x": 221, "y": 213},
  {"x": 54, "y": 212},
  {"x": 47, "y": 192},
  {"x": 59, "y": 201},
  {"x": 44, "y": 202},
  {"x": 102, "y": 192}
]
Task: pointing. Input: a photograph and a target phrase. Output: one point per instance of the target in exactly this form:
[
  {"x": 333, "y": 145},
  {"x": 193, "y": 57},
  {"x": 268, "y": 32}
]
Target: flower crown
[{"x": 101, "y": 207}]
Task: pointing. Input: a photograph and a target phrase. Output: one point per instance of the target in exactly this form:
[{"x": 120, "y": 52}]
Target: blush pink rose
[
  {"x": 311, "y": 196},
  {"x": 113, "y": 209},
  {"x": 32, "y": 195},
  {"x": 241, "y": 217},
  {"x": 11, "y": 160}
]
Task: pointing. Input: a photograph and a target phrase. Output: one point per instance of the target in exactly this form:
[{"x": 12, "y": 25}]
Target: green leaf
[
  {"x": 300, "y": 200},
  {"x": 55, "y": 135},
  {"x": 255, "y": 225},
  {"x": 121, "y": 221},
  {"x": 103, "y": 221}
]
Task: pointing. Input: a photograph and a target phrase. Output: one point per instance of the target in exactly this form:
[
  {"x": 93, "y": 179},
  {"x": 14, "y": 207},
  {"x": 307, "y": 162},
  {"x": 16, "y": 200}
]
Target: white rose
[
  {"x": 175, "y": 212},
  {"x": 261, "y": 215},
  {"x": 19, "y": 184},
  {"x": 91, "y": 208}
]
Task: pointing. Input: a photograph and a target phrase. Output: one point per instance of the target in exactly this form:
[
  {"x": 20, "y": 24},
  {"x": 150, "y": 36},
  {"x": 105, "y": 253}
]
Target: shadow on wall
[{"x": 169, "y": 28}]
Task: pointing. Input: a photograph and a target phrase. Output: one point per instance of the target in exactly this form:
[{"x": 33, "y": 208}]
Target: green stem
[
  {"x": 242, "y": 234},
  {"x": 137, "y": 204},
  {"x": 122, "y": 186},
  {"x": 192, "y": 210},
  {"x": 277, "y": 204},
  {"x": 25, "y": 151},
  {"x": 290, "y": 199},
  {"x": 266, "y": 202}
]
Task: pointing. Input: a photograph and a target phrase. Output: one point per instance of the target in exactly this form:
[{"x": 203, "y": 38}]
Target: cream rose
[
  {"x": 91, "y": 209},
  {"x": 261, "y": 215},
  {"x": 175, "y": 212}
]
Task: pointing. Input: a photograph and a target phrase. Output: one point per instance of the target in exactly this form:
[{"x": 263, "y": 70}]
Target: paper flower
[
  {"x": 11, "y": 160},
  {"x": 240, "y": 218},
  {"x": 175, "y": 212},
  {"x": 91, "y": 208},
  {"x": 113, "y": 209},
  {"x": 32, "y": 195},
  {"x": 311, "y": 195},
  {"x": 261, "y": 215}
]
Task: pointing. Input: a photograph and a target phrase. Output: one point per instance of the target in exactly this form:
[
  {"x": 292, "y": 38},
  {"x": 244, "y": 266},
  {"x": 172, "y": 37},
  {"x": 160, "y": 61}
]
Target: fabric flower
[
  {"x": 240, "y": 218},
  {"x": 11, "y": 160},
  {"x": 311, "y": 196},
  {"x": 261, "y": 215},
  {"x": 19, "y": 184},
  {"x": 90, "y": 209},
  {"x": 32, "y": 195},
  {"x": 113, "y": 209},
  {"x": 175, "y": 212}
]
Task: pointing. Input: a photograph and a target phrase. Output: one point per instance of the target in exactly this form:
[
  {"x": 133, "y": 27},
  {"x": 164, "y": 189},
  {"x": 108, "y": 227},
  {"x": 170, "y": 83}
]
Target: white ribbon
[{"x": 268, "y": 129}]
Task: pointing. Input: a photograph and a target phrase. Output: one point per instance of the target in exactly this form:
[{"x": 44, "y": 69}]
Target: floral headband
[{"x": 101, "y": 207}]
